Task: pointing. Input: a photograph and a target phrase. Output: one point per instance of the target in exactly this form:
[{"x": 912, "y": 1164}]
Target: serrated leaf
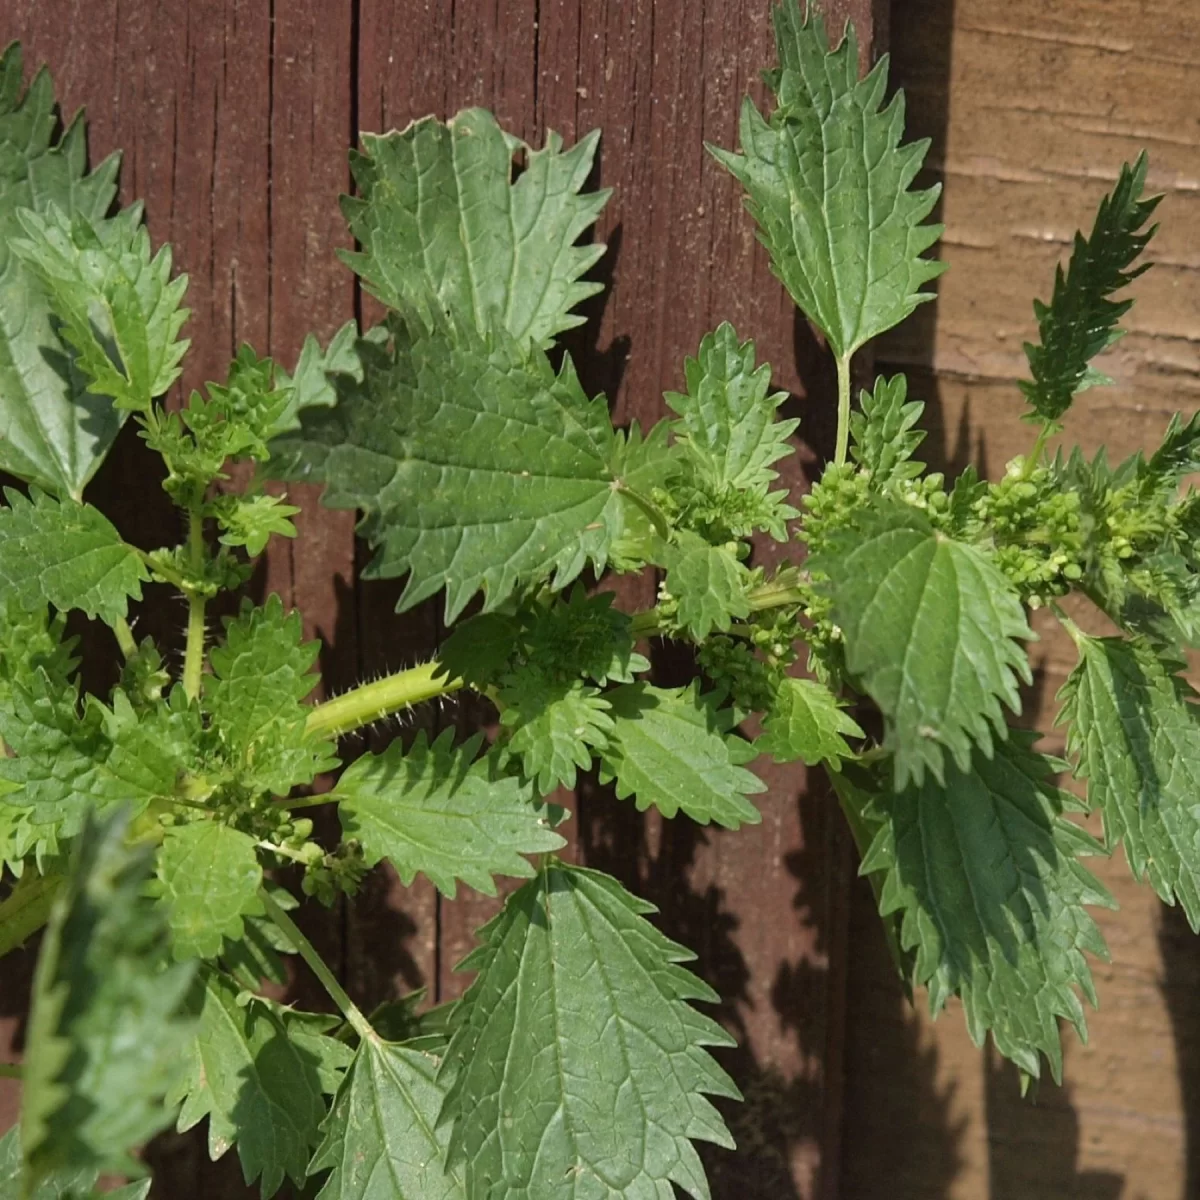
[
  {"x": 984, "y": 871},
  {"x": 554, "y": 727},
  {"x": 578, "y": 1067},
  {"x": 828, "y": 183},
  {"x": 479, "y": 649},
  {"x": 67, "y": 554},
  {"x": 930, "y": 626},
  {"x": 209, "y": 876},
  {"x": 806, "y": 721},
  {"x": 1081, "y": 321},
  {"x": 1134, "y": 730},
  {"x": 728, "y": 426},
  {"x": 582, "y": 635},
  {"x": 1179, "y": 452},
  {"x": 260, "y": 675},
  {"x": 446, "y": 231},
  {"x": 311, "y": 386},
  {"x": 381, "y": 1140},
  {"x": 441, "y": 811},
  {"x": 119, "y": 307},
  {"x": 707, "y": 582},
  {"x": 252, "y": 520},
  {"x": 58, "y": 1185},
  {"x": 671, "y": 747},
  {"x": 102, "y": 983},
  {"x": 883, "y": 435},
  {"x": 476, "y": 466},
  {"x": 53, "y": 432},
  {"x": 260, "y": 1085}
]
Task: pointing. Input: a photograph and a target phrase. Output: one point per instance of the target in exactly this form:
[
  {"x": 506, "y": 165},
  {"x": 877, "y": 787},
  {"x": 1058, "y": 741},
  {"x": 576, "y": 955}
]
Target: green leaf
[
  {"x": 708, "y": 584},
  {"x": 1135, "y": 732},
  {"x": 828, "y": 183},
  {"x": 577, "y": 1056},
  {"x": 984, "y": 872},
  {"x": 884, "y": 436},
  {"x": 729, "y": 432},
  {"x": 806, "y": 721},
  {"x": 930, "y": 627},
  {"x": 476, "y": 466},
  {"x": 67, "y": 762},
  {"x": 119, "y": 307},
  {"x": 554, "y": 727},
  {"x": 582, "y": 636},
  {"x": 260, "y": 675},
  {"x": 1179, "y": 453},
  {"x": 671, "y": 747},
  {"x": 260, "y": 1085},
  {"x": 251, "y": 520},
  {"x": 107, "y": 1023},
  {"x": 210, "y": 876},
  {"x": 381, "y": 1139},
  {"x": 1081, "y": 321},
  {"x": 66, "y": 554},
  {"x": 58, "y": 1185},
  {"x": 445, "y": 231},
  {"x": 311, "y": 386},
  {"x": 441, "y": 811},
  {"x": 53, "y": 432}
]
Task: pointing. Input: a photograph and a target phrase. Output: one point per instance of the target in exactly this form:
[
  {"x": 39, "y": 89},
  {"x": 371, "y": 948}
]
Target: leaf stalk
[
  {"x": 193, "y": 658},
  {"x": 843, "y": 425}
]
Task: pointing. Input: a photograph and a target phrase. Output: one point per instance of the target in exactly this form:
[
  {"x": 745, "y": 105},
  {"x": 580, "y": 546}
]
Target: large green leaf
[
  {"x": 930, "y": 628},
  {"x": 53, "y": 432},
  {"x": 1136, "y": 734},
  {"x": 477, "y": 466},
  {"x": 66, "y": 554},
  {"x": 119, "y": 307},
  {"x": 261, "y": 1077},
  {"x": 578, "y": 1067},
  {"x": 672, "y": 748},
  {"x": 209, "y": 876},
  {"x": 381, "y": 1137},
  {"x": 1081, "y": 321},
  {"x": 445, "y": 230},
  {"x": 108, "y": 1019},
  {"x": 984, "y": 873},
  {"x": 441, "y": 811},
  {"x": 828, "y": 183}
]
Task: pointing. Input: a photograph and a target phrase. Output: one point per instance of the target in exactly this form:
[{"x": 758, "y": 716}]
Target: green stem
[
  {"x": 125, "y": 638},
  {"x": 306, "y": 950},
  {"x": 27, "y": 909},
  {"x": 161, "y": 570},
  {"x": 11, "y": 1071},
  {"x": 1035, "y": 454},
  {"x": 193, "y": 657},
  {"x": 657, "y": 518},
  {"x": 373, "y": 701},
  {"x": 843, "y": 426}
]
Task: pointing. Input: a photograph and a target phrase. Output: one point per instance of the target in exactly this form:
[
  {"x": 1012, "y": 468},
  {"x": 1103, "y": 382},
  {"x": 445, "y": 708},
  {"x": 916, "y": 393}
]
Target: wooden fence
[{"x": 235, "y": 117}]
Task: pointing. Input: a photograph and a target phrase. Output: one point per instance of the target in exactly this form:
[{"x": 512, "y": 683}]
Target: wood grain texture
[{"x": 1032, "y": 107}]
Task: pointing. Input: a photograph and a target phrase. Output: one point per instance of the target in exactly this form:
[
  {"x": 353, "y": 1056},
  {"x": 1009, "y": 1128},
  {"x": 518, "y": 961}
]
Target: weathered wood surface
[
  {"x": 1032, "y": 107},
  {"x": 235, "y": 116}
]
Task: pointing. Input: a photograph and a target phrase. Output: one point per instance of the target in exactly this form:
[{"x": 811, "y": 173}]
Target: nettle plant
[{"x": 146, "y": 829}]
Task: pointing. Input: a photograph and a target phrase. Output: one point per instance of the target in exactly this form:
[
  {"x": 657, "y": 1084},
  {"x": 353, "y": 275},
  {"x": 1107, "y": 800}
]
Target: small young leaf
[
  {"x": 807, "y": 722},
  {"x": 475, "y": 464},
  {"x": 930, "y": 627},
  {"x": 66, "y": 554},
  {"x": 119, "y": 306},
  {"x": 446, "y": 232},
  {"x": 53, "y": 432},
  {"x": 828, "y": 183},
  {"x": 707, "y": 582},
  {"x": 441, "y": 811},
  {"x": 984, "y": 871},
  {"x": 210, "y": 876},
  {"x": 251, "y": 520},
  {"x": 381, "y": 1139},
  {"x": 1135, "y": 730},
  {"x": 599, "y": 1070},
  {"x": 883, "y": 436},
  {"x": 102, "y": 983},
  {"x": 671, "y": 747},
  {"x": 1081, "y": 321},
  {"x": 260, "y": 1085},
  {"x": 1179, "y": 453}
]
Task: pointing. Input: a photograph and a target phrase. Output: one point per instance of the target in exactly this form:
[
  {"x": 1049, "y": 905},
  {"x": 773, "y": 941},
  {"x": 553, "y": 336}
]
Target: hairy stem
[
  {"x": 307, "y": 951},
  {"x": 125, "y": 638},
  {"x": 27, "y": 909},
  {"x": 193, "y": 658},
  {"x": 843, "y": 425},
  {"x": 373, "y": 701}
]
